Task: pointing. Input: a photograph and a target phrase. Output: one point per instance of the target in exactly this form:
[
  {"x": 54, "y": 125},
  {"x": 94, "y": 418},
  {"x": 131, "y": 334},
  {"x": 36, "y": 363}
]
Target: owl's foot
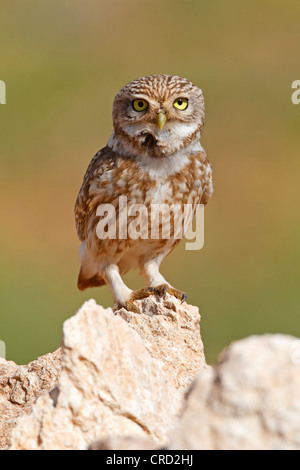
[
  {"x": 163, "y": 289},
  {"x": 129, "y": 305},
  {"x": 137, "y": 295},
  {"x": 144, "y": 293}
]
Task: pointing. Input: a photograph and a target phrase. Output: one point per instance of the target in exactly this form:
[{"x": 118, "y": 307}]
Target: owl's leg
[
  {"x": 150, "y": 271},
  {"x": 111, "y": 274},
  {"x": 123, "y": 296}
]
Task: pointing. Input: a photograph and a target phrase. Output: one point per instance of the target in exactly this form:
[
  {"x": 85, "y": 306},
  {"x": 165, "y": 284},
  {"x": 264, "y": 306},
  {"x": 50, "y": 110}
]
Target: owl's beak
[{"x": 161, "y": 120}]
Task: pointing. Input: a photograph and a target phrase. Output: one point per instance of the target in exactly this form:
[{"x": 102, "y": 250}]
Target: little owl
[{"x": 154, "y": 156}]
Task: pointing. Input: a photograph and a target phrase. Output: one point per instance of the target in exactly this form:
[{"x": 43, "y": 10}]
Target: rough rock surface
[
  {"x": 20, "y": 386},
  {"x": 118, "y": 377},
  {"x": 249, "y": 400},
  {"x": 125, "y": 443},
  {"x": 171, "y": 333}
]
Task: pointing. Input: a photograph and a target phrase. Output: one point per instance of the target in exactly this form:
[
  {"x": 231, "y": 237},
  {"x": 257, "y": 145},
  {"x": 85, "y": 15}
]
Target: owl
[{"x": 153, "y": 157}]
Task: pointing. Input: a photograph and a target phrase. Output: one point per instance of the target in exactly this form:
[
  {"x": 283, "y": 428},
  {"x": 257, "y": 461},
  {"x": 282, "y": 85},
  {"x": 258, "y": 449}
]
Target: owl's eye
[
  {"x": 140, "y": 105},
  {"x": 181, "y": 103}
]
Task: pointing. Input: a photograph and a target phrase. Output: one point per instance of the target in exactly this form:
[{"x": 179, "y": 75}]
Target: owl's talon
[
  {"x": 162, "y": 290},
  {"x": 166, "y": 288},
  {"x": 136, "y": 295},
  {"x": 129, "y": 305},
  {"x": 184, "y": 297}
]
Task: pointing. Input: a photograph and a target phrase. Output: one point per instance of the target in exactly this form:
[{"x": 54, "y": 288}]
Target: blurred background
[{"x": 63, "y": 62}]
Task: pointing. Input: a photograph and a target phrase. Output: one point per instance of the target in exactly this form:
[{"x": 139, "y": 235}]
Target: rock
[
  {"x": 20, "y": 386},
  {"x": 120, "y": 380},
  {"x": 125, "y": 443},
  {"x": 249, "y": 400},
  {"x": 171, "y": 333},
  {"x": 123, "y": 374}
]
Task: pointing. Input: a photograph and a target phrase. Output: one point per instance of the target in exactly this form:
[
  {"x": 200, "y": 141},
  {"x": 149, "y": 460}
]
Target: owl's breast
[{"x": 183, "y": 187}]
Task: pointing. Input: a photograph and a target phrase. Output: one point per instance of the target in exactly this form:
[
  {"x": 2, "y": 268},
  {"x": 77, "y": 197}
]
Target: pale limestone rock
[
  {"x": 171, "y": 333},
  {"x": 20, "y": 386},
  {"x": 249, "y": 400},
  {"x": 125, "y": 443},
  {"x": 119, "y": 378},
  {"x": 123, "y": 381}
]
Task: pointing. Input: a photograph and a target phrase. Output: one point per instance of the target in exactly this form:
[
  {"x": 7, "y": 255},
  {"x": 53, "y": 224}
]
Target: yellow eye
[
  {"x": 181, "y": 103},
  {"x": 140, "y": 105}
]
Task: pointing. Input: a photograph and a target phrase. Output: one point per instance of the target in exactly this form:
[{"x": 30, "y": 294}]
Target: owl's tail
[
  {"x": 88, "y": 276},
  {"x": 86, "y": 282}
]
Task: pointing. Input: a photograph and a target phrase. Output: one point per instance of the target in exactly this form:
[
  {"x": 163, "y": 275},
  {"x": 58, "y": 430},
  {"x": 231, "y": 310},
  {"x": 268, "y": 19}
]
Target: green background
[{"x": 63, "y": 62}]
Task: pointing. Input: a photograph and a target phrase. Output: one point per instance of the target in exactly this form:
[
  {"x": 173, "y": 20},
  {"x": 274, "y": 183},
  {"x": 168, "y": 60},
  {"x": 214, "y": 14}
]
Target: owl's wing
[
  {"x": 207, "y": 183},
  {"x": 94, "y": 190}
]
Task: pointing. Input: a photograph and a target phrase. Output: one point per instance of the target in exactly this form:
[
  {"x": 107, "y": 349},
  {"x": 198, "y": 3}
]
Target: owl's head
[{"x": 158, "y": 115}]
